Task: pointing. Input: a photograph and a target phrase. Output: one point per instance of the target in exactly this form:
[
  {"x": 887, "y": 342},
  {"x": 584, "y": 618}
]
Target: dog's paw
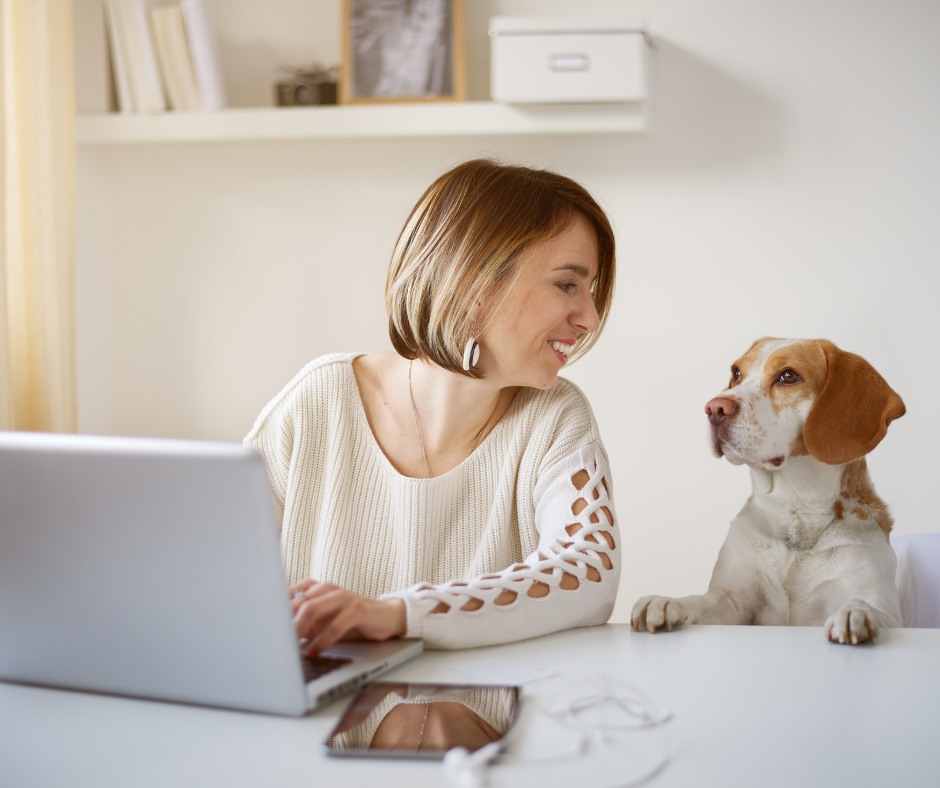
[
  {"x": 653, "y": 612},
  {"x": 851, "y": 624}
]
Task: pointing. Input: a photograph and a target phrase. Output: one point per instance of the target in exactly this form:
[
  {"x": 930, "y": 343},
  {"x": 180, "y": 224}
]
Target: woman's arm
[{"x": 571, "y": 580}]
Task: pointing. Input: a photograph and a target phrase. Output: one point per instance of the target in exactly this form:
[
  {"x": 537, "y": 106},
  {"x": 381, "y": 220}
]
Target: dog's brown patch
[
  {"x": 838, "y": 509},
  {"x": 857, "y": 488},
  {"x": 808, "y": 360},
  {"x": 746, "y": 363},
  {"x": 798, "y": 447},
  {"x": 851, "y": 415}
]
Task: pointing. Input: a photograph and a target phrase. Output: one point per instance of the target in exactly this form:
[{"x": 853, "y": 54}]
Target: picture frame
[{"x": 403, "y": 51}]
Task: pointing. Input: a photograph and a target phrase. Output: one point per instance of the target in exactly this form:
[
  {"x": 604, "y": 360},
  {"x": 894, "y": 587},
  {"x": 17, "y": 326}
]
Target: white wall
[{"x": 788, "y": 186}]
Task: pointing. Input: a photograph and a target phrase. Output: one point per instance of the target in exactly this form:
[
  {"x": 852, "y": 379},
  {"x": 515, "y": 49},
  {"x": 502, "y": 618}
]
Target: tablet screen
[{"x": 408, "y": 720}]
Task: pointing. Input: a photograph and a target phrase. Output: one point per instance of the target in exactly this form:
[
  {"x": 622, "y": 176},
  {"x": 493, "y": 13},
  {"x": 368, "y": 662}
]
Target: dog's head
[{"x": 793, "y": 397}]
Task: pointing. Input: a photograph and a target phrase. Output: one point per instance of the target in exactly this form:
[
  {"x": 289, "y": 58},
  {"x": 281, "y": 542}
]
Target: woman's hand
[{"x": 324, "y": 614}]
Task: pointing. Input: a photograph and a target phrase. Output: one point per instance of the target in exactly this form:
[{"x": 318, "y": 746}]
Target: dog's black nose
[{"x": 720, "y": 409}]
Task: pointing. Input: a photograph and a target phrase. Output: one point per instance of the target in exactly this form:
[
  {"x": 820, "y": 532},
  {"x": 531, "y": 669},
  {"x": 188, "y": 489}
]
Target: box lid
[{"x": 533, "y": 25}]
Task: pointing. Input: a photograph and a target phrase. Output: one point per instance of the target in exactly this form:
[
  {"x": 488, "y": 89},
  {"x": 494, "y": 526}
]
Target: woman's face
[{"x": 529, "y": 339}]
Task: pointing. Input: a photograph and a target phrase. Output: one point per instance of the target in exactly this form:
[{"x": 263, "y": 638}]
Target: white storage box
[{"x": 548, "y": 60}]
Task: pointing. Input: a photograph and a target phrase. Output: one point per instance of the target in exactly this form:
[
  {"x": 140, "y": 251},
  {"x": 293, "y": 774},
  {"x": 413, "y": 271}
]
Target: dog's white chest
[
  {"x": 774, "y": 564},
  {"x": 797, "y": 569},
  {"x": 793, "y": 593},
  {"x": 783, "y": 541}
]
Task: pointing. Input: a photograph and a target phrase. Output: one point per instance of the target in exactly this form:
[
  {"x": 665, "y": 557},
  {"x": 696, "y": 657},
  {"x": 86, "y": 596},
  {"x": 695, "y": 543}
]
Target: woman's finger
[
  {"x": 312, "y": 592},
  {"x": 303, "y": 585},
  {"x": 341, "y": 624},
  {"x": 312, "y": 611},
  {"x": 313, "y": 614}
]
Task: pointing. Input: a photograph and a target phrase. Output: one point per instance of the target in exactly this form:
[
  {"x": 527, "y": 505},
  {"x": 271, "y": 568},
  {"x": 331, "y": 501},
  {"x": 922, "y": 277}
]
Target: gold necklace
[
  {"x": 427, "y": 708},
  {"x": 414, "y": 411}
]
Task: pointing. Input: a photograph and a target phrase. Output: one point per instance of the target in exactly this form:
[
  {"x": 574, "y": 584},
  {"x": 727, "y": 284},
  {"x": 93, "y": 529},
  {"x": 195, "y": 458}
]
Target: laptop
[{"x": 152, "y": 568}]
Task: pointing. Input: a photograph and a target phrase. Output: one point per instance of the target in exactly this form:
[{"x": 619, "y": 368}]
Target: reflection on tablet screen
[{"x": 407, "y": 720}]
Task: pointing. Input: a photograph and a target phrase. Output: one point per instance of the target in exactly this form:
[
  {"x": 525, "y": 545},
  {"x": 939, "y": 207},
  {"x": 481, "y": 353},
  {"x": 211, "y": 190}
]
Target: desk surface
[{"x": 769, "y": 706}]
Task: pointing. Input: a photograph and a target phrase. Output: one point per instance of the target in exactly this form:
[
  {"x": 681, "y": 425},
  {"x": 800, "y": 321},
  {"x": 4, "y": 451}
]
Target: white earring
[{"x": 471, "y": 354}]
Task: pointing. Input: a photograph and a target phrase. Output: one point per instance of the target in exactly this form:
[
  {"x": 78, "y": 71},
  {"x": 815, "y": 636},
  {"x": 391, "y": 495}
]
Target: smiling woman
[
  {"x": 468, "y": 242},
  {"x": 457, "y": 489}
]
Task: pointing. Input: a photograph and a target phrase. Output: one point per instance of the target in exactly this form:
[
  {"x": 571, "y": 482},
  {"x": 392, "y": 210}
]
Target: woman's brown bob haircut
[{"x": 463, "y": 242}]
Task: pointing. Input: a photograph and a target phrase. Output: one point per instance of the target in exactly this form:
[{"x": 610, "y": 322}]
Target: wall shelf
[{"x": 472, "y": 118}]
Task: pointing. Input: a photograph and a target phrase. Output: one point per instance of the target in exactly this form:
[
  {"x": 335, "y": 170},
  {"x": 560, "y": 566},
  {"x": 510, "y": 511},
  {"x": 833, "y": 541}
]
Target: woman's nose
[{"x": 587, "y": 319}]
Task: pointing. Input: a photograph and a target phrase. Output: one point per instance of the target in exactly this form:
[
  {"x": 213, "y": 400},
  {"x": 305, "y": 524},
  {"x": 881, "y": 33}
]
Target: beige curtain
[{"x": 37, "y": 216}]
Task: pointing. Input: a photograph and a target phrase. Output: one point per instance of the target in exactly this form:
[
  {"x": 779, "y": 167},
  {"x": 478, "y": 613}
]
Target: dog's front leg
[
  {"x": 854, "y": 622},
  {"x": 864, "y": 600},
  {"x": 732, "y": 597},
  {"x": 716, "y": 606},
  {"x": 858, "y": 620}
]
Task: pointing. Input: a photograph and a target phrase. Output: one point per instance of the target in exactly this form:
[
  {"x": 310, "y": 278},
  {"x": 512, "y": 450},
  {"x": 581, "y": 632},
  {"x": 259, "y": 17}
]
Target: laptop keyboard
[{"x": 314, "y": 667}]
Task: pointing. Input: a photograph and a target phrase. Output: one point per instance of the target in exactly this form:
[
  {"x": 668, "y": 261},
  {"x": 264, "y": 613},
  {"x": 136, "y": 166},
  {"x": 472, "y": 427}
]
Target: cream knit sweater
[{"x": 501, "y": 520}]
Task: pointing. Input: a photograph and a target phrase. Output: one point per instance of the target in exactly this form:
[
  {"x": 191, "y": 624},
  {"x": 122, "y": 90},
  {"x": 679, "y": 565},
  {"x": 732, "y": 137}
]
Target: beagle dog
[{"x": 810, "y": 546}]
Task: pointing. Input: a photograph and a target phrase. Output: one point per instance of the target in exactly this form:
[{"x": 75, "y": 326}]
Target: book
[
  {"x": 141, "y": 60},
  {"x": 122, "y": 88},
  {"x": 205, "y": 58},
  {"x": 169, "y": 35},
  {"x": 94, "y": 87}
]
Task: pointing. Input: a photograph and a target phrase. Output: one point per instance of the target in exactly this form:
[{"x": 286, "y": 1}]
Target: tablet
[{"x": 409, "y": 720}]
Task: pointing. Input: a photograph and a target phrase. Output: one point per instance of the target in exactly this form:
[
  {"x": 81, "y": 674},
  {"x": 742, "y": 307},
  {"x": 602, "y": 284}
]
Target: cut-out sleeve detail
[{"x": 570, "y": 580}]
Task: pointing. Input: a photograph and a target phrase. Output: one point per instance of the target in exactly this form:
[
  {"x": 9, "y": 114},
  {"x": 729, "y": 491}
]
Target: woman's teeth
[{"x": 561, "y": 347}]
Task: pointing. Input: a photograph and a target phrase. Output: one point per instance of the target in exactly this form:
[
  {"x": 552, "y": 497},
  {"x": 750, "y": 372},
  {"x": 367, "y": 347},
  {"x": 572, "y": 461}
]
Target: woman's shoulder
[
  {"x": 564, "y": 398},
  {"x": 333, "y": 366},
  {"x": 560, "y": 410},
  {"x": 326, "y": 375}
]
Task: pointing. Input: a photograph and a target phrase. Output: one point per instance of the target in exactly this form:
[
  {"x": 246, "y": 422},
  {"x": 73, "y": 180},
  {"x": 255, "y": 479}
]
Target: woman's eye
[
  {"x": 567, "y": 287},
  {"x": 788, "y": 377}
]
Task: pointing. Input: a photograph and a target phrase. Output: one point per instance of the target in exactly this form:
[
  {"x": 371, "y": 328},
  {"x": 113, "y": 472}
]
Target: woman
[{"x": 457, "y": 490}]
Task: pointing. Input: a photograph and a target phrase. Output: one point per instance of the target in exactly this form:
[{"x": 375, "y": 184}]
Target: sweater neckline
[{"x": 364, "y": 425}]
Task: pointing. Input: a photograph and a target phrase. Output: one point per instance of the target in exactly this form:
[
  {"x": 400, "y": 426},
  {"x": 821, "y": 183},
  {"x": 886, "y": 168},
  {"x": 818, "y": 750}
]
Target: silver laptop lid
[{"x": 144, "y": 567}]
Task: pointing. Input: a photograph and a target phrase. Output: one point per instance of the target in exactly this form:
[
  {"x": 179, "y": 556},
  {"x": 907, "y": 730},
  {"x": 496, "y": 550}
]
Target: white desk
[{"x": 753, "y": 706}]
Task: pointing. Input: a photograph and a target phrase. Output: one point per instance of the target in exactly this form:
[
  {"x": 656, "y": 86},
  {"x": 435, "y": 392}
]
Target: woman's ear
[{"x": 852, "y": 412}]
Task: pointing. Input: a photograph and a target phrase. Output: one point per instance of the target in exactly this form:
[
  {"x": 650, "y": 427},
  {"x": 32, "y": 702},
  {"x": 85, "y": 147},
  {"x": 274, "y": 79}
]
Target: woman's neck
[
  {"x": 455, "y": 413},
  {"x": 451, "y": 409}
]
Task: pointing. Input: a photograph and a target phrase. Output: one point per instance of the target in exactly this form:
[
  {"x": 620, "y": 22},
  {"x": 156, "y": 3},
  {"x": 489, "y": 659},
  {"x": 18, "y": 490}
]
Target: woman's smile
[{"x": 561, "y": 348}]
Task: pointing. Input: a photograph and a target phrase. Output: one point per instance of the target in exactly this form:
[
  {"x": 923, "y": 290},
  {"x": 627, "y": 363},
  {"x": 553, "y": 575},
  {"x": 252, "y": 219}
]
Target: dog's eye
[
  {"x": 788, "y": 377},
  {"x": 735, "y": 374}
]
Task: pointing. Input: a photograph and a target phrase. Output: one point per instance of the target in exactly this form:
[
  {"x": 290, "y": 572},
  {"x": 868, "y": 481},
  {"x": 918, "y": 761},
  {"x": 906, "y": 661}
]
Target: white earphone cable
[{"x": 594, "y": 709}]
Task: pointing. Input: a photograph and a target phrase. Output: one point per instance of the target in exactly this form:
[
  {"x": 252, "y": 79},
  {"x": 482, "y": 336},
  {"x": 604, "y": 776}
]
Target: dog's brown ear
[{"x": 852, "y": 412}]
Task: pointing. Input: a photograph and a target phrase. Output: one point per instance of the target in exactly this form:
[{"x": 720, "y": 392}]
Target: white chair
[{"x": 919, "y": 578}]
